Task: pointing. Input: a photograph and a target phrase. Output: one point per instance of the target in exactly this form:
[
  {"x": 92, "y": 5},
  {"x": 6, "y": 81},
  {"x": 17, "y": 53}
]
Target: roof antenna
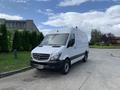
[{"x": 76, "y": 27}]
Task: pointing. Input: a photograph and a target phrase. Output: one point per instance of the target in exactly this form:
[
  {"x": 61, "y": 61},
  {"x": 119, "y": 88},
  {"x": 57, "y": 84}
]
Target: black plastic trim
[{"x": 77, "y": 56}]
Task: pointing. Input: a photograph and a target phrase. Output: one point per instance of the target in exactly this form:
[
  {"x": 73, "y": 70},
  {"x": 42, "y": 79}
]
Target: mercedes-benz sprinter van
[{"x": 60, "y": 49}]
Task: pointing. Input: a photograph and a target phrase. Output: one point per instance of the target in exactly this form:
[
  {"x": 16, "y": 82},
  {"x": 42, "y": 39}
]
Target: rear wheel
[
  {"x": 85, "y": 57},
  {"x": 66, "y": 67}
]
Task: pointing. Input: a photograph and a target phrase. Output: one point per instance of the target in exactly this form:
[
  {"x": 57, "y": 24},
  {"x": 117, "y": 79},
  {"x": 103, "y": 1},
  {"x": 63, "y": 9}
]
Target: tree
[
  {"x": 39, "y": 38},
  {"x": 10, "y": 38},
  {"x": 4, "y": 38},
  {"x": 110, "y": 38},
  {"x": 17, "y": 41},
  {"x": 104, "y": 39},
  {"x": 0, "y": 39},
  {"x": 33, "y": 39},
  {"x": 95, "y": 37},
  {"x": 26, "y": 41}
]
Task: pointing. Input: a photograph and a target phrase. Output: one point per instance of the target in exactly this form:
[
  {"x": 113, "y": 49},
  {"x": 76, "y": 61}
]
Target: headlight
[{"x": 55, "y": 56}]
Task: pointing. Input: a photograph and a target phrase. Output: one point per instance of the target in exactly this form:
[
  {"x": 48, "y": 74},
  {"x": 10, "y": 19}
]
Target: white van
[{"x": 60, "y": 49}]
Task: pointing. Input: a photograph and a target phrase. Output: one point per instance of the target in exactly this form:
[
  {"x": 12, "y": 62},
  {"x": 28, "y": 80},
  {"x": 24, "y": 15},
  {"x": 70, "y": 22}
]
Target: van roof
[{"x": 60, "y": 31}]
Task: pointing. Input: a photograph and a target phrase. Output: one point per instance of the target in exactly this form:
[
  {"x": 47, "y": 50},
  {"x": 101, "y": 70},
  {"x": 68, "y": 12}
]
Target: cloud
[
  {"x": 114, "y": 10},
  {"x": 10, "y": 17},
  {"x": 48, "y": 12},
  {"x": 107, "y": 21},
  {"x": 19, "y": 1},
  {"x": 71, "y": 2},
  {"x": 43, "y": 29},
  {"x": 65, "y": 3},
  {"x": 42, "y": 0}
]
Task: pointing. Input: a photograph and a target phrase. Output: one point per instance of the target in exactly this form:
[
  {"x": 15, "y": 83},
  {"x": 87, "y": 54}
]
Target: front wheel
[{"x": 66, "y": 67}]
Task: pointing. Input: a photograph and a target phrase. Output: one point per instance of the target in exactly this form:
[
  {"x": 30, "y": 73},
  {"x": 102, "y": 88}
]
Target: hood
[{"x": 47, "y": 49}]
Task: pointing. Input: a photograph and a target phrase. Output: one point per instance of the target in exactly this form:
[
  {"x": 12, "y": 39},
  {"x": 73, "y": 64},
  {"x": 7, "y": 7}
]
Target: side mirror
[{"x": 71, "y": 43}]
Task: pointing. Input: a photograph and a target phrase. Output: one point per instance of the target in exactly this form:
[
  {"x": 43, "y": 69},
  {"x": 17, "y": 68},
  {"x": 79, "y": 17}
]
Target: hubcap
[{"x": 66, "y": 67}]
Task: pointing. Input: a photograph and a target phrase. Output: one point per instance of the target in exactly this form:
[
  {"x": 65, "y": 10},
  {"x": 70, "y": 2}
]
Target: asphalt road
[{"x": 100, "y": 72}]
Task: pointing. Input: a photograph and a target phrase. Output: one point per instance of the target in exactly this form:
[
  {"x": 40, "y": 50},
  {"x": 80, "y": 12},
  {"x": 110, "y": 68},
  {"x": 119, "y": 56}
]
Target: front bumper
[{"x": 57, "y": 64}]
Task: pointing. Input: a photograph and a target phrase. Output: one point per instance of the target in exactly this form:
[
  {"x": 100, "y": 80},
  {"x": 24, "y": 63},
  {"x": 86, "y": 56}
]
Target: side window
[{"x": 71, "y": 40}]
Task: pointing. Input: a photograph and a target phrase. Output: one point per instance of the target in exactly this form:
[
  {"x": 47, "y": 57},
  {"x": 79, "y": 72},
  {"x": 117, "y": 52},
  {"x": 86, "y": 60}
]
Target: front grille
[{"x": 39, "y": 56}]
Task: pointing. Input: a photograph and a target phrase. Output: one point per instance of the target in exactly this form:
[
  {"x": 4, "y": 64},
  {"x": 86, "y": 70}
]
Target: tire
[
  {"x": 37, "y": 69},
  {"x": 85, "y": 57},
  {"x": 66, "y": 67}
]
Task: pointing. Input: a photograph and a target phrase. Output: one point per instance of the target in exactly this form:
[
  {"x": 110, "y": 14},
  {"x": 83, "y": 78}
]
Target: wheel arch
[
  {"x": 67, "y": 58},
  {"x": 86, "y": 52}
]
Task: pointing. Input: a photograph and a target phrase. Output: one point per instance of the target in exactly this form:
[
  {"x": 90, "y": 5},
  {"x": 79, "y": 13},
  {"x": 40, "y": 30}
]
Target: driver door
[{"x": 71, "y": 48}]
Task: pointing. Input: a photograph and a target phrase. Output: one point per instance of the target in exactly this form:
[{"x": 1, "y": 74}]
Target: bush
[
  {"x": 19, "y": 40},
  {"x": 16, "y": 41},
  {"x": 33, "y": 39},
  {"x": 10, "y": 40},
  {"x": 0, "y": 39},
  {"x": 26, "y": 41},
  {"x": 40, "y": 37},
  {"x": 95, "y": 37},
  {"x": 3, "y": 39}
]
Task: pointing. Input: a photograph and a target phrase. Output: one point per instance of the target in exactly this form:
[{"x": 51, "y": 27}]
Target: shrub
[{"x": 3, "y": 39}]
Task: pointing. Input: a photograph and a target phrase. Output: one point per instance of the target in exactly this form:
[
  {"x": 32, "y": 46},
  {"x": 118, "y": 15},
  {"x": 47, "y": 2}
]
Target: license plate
[{"x": 40, "y": 66}]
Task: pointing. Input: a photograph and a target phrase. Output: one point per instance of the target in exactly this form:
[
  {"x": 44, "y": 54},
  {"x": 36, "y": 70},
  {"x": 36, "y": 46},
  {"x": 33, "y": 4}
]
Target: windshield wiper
[
  {"x": 40, "y": 45},
  {"x": 56, "y": 46}
]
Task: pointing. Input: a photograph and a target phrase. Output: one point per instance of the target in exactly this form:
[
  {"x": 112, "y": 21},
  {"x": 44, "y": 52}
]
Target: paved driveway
[{"x": 101, "y": 72}]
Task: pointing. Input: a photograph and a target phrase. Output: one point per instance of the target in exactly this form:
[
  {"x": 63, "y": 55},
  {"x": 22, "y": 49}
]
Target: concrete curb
[{"x": 5, "y": 74}]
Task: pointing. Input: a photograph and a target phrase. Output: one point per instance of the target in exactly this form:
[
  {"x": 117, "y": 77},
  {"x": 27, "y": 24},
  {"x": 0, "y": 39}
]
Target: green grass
[
  {"x": 106, "y": 47},
  {"x": 9, "y": 63}
]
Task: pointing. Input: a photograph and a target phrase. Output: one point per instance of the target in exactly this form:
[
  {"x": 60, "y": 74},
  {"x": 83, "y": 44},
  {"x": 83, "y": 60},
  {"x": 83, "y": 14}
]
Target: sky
[{"x": 103, "y": 15}]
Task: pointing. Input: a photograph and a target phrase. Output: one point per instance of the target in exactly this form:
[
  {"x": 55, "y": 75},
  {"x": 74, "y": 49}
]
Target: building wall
[
  {"x": 116, "y": 40},
  {"x": 19, "y": 25},
  {"x": 2, "y": 21},
  {"x": 30, "y": 25}
]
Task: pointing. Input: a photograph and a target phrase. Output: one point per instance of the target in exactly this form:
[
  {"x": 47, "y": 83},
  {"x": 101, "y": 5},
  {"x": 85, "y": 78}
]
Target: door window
[{"x": 71, "y": 40}]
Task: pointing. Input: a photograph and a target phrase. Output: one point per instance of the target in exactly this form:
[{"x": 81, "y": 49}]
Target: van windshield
[{"x": 55, "y": 39}]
